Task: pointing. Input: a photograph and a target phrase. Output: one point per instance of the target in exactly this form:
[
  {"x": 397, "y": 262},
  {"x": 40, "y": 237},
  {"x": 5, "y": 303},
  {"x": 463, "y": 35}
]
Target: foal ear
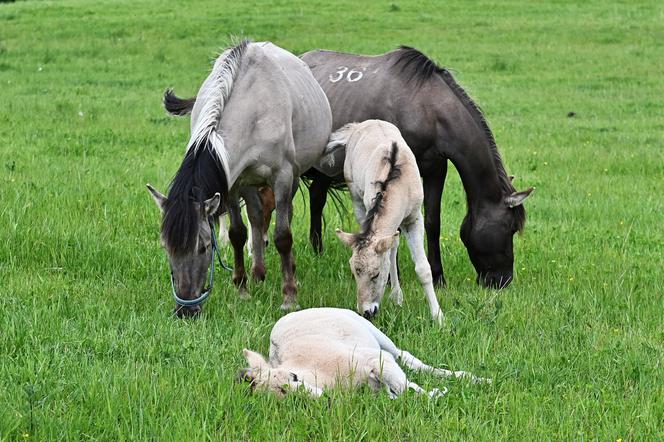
[
  {"x": 346, "y": 238},
  {"x": 386, "y": 243},
  {"x": 212, "y": 204},
  {"x": 255, "y": 360},
  {"x": 158, "y": 197},
  {"x": 517, "y": 198}
]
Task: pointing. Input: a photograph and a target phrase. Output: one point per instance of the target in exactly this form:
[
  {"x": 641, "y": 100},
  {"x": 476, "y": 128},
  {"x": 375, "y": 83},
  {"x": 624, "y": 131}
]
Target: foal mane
[
  {"x": 393, "y": 173},
  {"x": 204, "y": 169},
  {"x": 419, "y": 68}
]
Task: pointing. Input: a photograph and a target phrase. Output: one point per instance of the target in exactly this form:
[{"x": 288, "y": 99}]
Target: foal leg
[
  {"x": 415, "y": 237},
  {"x": 283, "y": 238},
  {"x": 237, "y": 233},
  {"x": 317, "y": 199},
  {"x": 255, "y": 215},
  {"x": 414, "y": 363},
  {"x": 396, "y": 294},
  {"x": 433, "y": 192}
]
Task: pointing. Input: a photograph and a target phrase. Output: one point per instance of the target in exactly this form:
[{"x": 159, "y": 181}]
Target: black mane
[
  {"x": 415, "y": 65},
  {"x": 419, "y": 68},
  {"x": 199, "y": 177},
  {"x": 393, "y": 173}
]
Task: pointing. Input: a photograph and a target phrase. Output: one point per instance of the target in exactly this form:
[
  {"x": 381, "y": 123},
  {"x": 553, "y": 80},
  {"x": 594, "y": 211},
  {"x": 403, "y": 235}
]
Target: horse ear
[
  {"x": 517, "y": 198},
  {"x": 386, "y": 243},
  {"x": 346, "y": 238},
  {"x": 255, "y": 360},
  {"x": 212, "y": 204},
  {"x": 158, "y": 197}
]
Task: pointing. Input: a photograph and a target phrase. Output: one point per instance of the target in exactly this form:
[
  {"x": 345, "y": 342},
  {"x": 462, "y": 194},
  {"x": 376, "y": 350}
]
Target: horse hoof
[
  {"x": 244, "y": 294},
  {"x": 439, "y": 318}
]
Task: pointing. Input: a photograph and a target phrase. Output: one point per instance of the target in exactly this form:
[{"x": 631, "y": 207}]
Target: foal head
[
  {"x": 488, "y": 235},
  {"x": 189, "y": 261},
  {"x": 370, "y": 264},
  {"x": 278, "y": 380}
]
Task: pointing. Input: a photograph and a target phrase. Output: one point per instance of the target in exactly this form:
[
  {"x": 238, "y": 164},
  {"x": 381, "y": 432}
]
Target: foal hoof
[
  {"x": 289, "y": 307},
  {"x": 436, "y": 393},
  {"x": 439, "y": 318}
]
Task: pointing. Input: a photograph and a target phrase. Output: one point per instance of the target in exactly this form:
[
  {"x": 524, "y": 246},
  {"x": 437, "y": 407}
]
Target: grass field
[{"x": 89, "y": 348}]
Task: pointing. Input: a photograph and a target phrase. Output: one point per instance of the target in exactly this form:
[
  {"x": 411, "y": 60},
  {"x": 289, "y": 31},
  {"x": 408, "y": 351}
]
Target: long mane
[
  {"x": 204, "y": 169},
  {"x": 417, "y": 68},
  {"x": 393, "y": 173}
]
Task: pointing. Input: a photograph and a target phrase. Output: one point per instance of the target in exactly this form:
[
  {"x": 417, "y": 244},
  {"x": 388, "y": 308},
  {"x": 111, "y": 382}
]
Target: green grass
[{"x": 88, "y": 346}]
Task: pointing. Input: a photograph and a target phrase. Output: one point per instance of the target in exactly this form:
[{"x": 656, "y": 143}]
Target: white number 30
[{"x": 351, "y": 76}]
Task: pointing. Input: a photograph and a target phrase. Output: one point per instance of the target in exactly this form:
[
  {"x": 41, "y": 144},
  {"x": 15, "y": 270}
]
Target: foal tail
[
  {"x": 340, "y": 138},
  {"x": 175, "y": 105}
]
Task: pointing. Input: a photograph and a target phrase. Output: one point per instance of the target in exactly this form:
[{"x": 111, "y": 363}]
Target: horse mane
[
  {"x": 393, "y": 173},
  {"x": 419, "y": 68},
  {"x": 204, "y": 169}
]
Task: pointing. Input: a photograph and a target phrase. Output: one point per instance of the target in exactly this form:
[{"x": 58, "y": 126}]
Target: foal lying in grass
[
  {"x": 320, "y": 348},
  {"x": 384, "y": 183}
]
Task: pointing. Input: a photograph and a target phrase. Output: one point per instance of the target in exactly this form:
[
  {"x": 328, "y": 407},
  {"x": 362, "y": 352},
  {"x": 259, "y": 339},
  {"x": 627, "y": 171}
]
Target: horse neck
[{"x": 474, "y": 156}]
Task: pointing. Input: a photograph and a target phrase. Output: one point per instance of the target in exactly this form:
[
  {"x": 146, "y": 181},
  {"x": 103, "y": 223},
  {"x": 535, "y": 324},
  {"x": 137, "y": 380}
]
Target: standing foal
[{"x": 384, "y": 183}]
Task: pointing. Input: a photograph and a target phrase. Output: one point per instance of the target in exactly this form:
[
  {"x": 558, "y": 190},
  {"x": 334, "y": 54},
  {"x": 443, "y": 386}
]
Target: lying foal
[
  {"x": 321, "y": 348},
  {"x": 384, "y": 183}
]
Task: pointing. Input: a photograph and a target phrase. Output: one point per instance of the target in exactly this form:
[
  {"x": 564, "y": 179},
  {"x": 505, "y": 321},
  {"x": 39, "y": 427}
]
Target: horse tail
[{"x": 175, "y": 105}]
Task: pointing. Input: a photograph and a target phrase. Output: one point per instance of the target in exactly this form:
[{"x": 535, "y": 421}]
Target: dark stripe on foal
[{"x": 394, "y": 172}]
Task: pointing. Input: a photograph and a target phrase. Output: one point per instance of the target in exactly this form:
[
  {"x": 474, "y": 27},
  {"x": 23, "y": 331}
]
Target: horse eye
[{"x": 373, "y": 278}]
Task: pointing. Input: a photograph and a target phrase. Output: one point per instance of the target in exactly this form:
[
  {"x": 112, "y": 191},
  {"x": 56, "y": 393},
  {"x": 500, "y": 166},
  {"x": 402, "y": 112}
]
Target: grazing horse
[
  {"x": 439, "y": 121},
  {"x": 320, "y": 348},
  {"x": 260, "y": 118},
  {"x": 385, "y": 186}
]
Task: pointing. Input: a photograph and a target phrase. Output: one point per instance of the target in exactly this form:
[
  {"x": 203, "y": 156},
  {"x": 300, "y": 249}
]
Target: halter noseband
[{"x": 206, "y": 292}]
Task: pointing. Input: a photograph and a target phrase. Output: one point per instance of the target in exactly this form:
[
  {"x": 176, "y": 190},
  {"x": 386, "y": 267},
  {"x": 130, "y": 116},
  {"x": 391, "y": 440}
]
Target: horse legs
[
  {"x": 415, "y": 237},
  {"x": 237, "y": 233},
  {"x": 433, "y": 192},
  {"x": 255, "y": 214},
  {"x": 267, "y": 200},
  {"x": 283, "y": 238},
  {"x": 317, "y": 199}
]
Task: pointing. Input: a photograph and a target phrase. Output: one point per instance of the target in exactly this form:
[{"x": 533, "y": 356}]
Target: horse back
[{"x": 362, "y": 87}]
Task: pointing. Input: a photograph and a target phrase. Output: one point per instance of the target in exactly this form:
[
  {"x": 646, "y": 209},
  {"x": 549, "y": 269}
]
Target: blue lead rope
[{"x": 206, "y": 292}]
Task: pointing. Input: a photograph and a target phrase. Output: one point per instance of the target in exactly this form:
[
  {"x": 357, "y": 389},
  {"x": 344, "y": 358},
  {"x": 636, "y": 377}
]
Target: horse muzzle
[{"x": 494, "y": 280}]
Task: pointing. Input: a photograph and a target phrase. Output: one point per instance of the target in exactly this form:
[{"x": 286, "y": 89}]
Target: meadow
[{"x": 89, "y": 348}]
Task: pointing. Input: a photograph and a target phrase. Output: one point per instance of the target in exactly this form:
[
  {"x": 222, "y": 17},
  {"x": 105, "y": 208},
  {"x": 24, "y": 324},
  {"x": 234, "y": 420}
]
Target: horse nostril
[
  {"x": 367, "y": 314},
  {"x": 375, "y": 311}
]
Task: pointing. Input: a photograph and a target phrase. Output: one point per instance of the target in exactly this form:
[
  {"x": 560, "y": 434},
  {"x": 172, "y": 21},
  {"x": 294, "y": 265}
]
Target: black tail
[{"x": 177, "y": 106}]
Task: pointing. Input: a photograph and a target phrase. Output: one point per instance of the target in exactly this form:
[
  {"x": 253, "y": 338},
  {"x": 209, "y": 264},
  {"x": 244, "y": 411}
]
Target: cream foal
[
  {"x": 320, "y": 348},
  {"x": 385, "y": 186}
]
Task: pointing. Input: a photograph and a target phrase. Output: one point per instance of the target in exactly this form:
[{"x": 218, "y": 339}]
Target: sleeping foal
[
  {"x": 384, "y": 183},
  {"x": 320, "y": 348}
]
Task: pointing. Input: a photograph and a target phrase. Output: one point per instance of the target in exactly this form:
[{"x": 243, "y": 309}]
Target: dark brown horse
[{"x": 439, "y": 121}]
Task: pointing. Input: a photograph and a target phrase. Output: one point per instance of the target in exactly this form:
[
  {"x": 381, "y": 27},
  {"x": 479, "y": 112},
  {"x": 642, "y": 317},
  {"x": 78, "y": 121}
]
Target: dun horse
[
  {"x": 260, "y": 118},
  {"x": 320, "y": 348},
  {"x": 439, "y": 121},
  {"x": 384, "y": 184}
]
